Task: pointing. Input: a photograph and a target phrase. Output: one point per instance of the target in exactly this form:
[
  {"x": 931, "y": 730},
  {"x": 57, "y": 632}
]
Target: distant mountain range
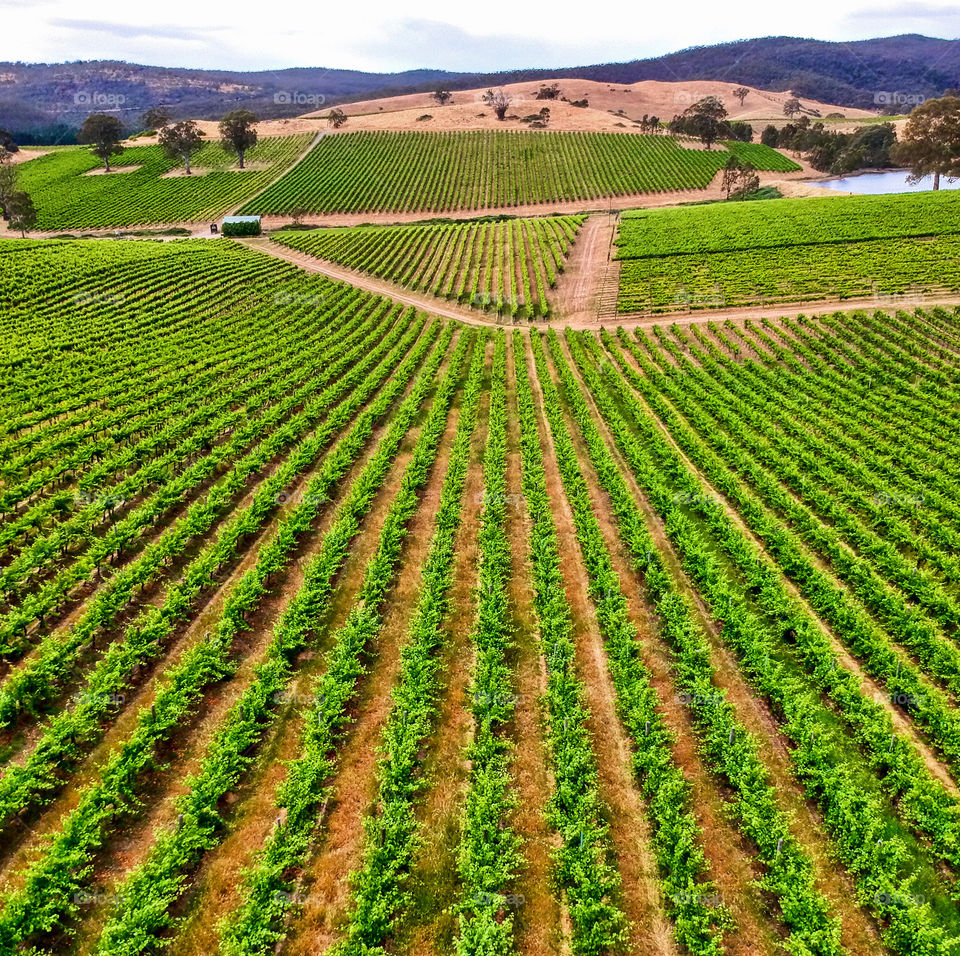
[{"x": 48, "y": 101}]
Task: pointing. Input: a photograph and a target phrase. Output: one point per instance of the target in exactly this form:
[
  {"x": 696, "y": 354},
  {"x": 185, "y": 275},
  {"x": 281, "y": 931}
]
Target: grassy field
[
  {"x": 506, "y": 266},
  {"x": 787, "y": 250},
  {"x": 434, "y": 172},
  {"x": 327, "y": 626},
  {"x": 68, "y": 197}
]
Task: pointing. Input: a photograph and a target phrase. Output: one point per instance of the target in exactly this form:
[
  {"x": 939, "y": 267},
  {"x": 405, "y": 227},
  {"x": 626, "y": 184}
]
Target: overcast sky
[{"x": 380, "y": 35}]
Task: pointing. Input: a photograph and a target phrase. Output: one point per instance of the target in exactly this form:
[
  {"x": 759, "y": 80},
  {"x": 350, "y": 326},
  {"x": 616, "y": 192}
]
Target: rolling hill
[{"x": 36, "y": 97}]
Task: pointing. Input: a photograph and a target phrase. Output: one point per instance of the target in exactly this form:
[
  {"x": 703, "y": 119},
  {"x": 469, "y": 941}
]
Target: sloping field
[
  {"x": 788, "y": 250},
  {"x": 504, "y": 266},
  {"x": 607, "y": 103},
  {"x": 328, "y": 627},
  {"x": 67, "y": 196},
  {"x": 397, "y": 172}
]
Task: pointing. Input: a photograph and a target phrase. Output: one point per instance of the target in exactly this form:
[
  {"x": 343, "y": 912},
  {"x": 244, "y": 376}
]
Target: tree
[
  {"x": 156, "y": 118},
  {"x": 706, "y": 120},
  {"x": 7, "y": 143},
  {"x": 442, "y": 96},
  {"x": 739, "y": 179},
  {"x": 238, "y": 132},
  {"x": 741, "y": 131},
  {"x": 741, "y": 93},
  {"x": 23, "y": 214},
  {"x": 930, "y": 143},
  {"x": 499, "y": 101},
  {"x": 731, "y": 173},
  {"x": 791, "y": 107},
  {"x": 336, "y": 118},
  {"x": 551, "y": 92},
  {"x": 103, "y": 134},
  {"x": 181, "y": 141},
  {"x": 8, "y": 181},
  {"x": 770, "y": 136}
]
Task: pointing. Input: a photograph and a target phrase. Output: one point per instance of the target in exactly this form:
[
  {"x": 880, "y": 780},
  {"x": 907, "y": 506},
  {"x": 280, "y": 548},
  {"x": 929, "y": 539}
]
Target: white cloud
[{"x": 499, "y": 34}]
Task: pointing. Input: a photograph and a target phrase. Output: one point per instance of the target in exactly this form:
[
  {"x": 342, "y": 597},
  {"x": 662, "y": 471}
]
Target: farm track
[
  {"x": 585, "y": 320},
  {"x": 577, "y": 296}
]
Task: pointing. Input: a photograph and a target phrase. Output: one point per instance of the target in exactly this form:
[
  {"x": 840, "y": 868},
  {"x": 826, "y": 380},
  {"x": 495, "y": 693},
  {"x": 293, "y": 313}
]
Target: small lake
[{"x": 893, "y": 181}]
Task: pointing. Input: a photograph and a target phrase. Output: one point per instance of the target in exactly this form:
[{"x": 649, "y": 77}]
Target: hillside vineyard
[{"x": 330, "y": 625}]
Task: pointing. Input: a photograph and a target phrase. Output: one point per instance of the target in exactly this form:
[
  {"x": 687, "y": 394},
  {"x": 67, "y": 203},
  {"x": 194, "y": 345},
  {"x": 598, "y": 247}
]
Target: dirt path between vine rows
[
  {"x": 354, "y": 785},
  {"x": 872, "y": 688},
  {"x": 576, "y": 297},
  {"x": 586, "y": 319},
  {"x": 860, "y": 934},
  {"x": 650, "y": 930},
  {"x": 731, "y": 857},
  {"x": 430, "y": 923}
]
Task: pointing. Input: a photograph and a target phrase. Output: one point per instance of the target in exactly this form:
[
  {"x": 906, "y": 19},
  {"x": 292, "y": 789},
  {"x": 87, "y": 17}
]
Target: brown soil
[
  {"x": 354, "y": 786},
  {"x": 733, "y": 864},
  {"x": 205, "y": 170},
  {"x": 655, "y": 97},
  {"x": 871, "y": 688},
  {"x": 578, "y": 292},
  {"x": 650, "y": 930},
  {"x": 100, "y": 171},
  {"x": 215, "y": 891},
  {"x": 433, "y": 883}
]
